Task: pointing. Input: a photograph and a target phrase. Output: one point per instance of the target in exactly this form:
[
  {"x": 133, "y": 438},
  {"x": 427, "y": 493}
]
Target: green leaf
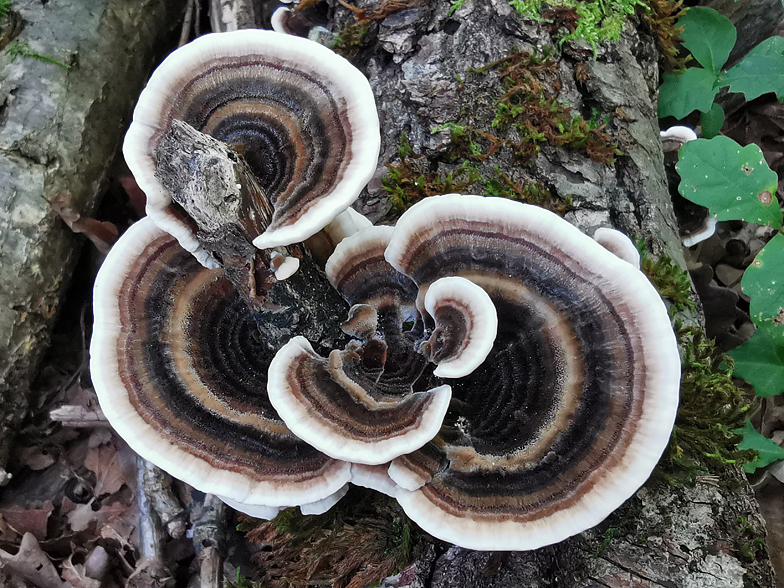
[
  {"x": 761, "y": 71},
  {"x": 763, "y": 282},
  {"x": 734, "y": 182},
  {"x": 712, "y": 121},
  {"x": 769, "y": 451},
  {"x": 691, "y": 90},
  {"x": 760, "y": 361},
  {"x": 709, "y": 36}
]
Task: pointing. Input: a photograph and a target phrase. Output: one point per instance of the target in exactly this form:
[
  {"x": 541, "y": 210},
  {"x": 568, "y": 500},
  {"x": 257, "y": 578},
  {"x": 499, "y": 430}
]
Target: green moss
[
  {"x": 593, "y": 22},
  {"x": 470, "y": 143},
  {"x": 530, "y": 104},
  {"x": 350, "y": 38},
  {"x": 605, "y": 541},
  {"x": 711, "y": 412},
  {"x": 662, "y": 21},
  {"x": 240, "y": 582},
  {"x": 357, "y": 543},
  {"x": 535, "y": 193},
  {"x": 455, "y": 6},
  {"x": 670, "y": 280},
  {"x": 749, "y": 546},
  {"x": 408, "y": 181},
  {"x": 22, "y": 49}
]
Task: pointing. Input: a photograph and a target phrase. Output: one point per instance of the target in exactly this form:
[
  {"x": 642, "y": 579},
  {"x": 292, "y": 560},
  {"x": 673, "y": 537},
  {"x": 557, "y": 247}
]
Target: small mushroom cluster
[{"x": 509, "y": 380}]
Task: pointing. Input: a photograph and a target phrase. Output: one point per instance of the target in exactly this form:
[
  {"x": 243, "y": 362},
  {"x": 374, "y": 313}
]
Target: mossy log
[
  {"x": 59, "y": 132},
  {"x": 437, "y": 100}
]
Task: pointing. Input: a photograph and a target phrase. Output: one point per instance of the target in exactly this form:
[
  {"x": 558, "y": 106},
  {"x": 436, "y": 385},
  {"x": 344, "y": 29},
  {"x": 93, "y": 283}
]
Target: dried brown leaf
[
  {"x": 23, "y": 519},
  {"x": 102, "y": 234},
  {"x": 83, "y": 515},
  {"x": 36, "y": 457},
  {"x": 31, "y": 564},
  {"x": 103, "y": 460}
]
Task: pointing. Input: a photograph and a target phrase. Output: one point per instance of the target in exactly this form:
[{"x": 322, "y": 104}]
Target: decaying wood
[
  {"x": 158, "y": 488},
  {"x": 59, "y": 132},
  {"x": 422, "y": 65},
  {"x": 232, "y": 15},
  {"x": 152, "y": 570},
  {"x": 208, "y": 538},
  {"x": 218, "y": 198},
  {"x": 71, "y": 415}
]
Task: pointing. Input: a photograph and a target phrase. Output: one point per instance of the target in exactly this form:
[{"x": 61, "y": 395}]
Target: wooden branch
[
  {"x": 232, "y": 15},
  {"x": 71, "y": 415}
]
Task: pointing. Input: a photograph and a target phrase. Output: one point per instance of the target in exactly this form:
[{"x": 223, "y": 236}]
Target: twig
[
  {"x": 157, "y": 485},
  {"x": 207, "y": 539},
  {"x": 151, "y": 570},
  {"x": 74, "y": 415},
  {"x": 187, "y": 23}
]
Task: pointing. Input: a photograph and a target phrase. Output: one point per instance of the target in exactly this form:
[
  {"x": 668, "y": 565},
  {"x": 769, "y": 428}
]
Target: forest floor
[{"x": 71, "y": 511}]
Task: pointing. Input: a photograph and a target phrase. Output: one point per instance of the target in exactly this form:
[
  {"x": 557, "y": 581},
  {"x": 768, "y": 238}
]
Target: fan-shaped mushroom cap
[
  {"x": 673, "y": 138},
  {"x": 358, "y": 270},
  {"x": 701, "y": 233},
  {"x": 322, "y": 244},
  {"x": 618, "y": 244},
  {"x": 374, "y": 477},
  {"x": 302, "y": 116},
  {"x": 182, "y": 379},
  {"x": 258, "y": 511},
  {"x": 465, "y": 326},
  {"x": 333, "y": 405},
  {"x": 575, "y": 403}
]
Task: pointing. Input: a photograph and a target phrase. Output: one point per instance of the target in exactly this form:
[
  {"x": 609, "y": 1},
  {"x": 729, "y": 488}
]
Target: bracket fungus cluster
[{"x": 507, "y": 379}]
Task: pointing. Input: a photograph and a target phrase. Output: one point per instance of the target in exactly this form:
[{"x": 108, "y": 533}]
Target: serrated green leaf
[
  {"x": 761, "y": 71},
  {"x": 763, "y": 283},
  {"x": 769, "y": 451},
  {"x": 712, "y": 121},
  {"x": 709, "y": 36},
  {"x": 760, "y": 361},
  {"x": 691, "y": 90},
  {"x": 733, "y": 182}
]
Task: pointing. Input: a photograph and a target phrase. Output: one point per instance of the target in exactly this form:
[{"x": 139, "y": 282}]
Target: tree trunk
[
  {"x": 422, "y": 62},
  {"x": 59, "y": 132}
]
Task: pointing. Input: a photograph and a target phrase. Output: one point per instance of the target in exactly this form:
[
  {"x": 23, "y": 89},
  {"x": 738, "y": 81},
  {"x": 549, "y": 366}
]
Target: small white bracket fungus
[
  {"x": 706, "y": 232},
  {"x": 466, "y": 326},
  {"x": 283, "y": 266},
  {"x": 618, "y": 244},
  {"x": 673, "y": 138},
  {"x": 258, "y": 511},
  {"x": 374, "y": 477}
]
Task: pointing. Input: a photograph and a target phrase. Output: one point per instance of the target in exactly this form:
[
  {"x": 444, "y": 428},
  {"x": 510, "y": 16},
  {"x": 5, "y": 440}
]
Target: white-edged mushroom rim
[
  {"x": 349, "y": 88},
  {"x": 141, "y": 436},
  {"x": 651, "y": 324},
  {"x": 321, "y": 435},
  {"x": 353, "y": 246},
  {"x": 483, "y": 323},
  {"x": 619, "y": 244}
]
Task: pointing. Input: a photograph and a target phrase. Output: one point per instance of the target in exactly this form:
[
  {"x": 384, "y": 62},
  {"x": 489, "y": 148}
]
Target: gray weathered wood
[
  {"x": 418, "y": 61},
  {"x": 59, "y": 132}
]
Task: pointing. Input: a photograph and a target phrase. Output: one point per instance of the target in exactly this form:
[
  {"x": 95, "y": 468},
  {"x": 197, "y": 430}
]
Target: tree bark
[
  {"x": 419, "y": 61},
  {"x": 59, "y": 132}
]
